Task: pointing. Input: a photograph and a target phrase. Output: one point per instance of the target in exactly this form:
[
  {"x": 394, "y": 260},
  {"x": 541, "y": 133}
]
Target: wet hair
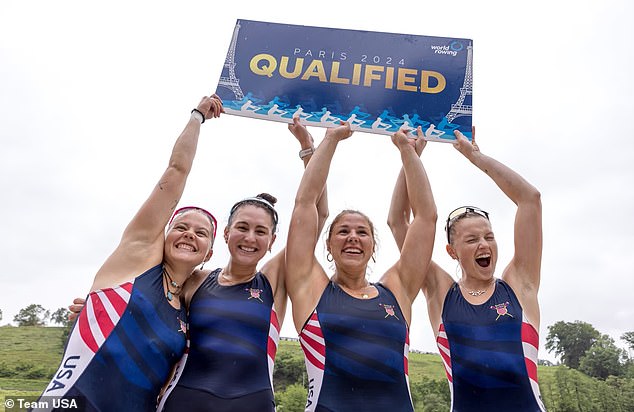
[
  {"x": 264, "y": 201},
  {"x": 351, "y": 212}
]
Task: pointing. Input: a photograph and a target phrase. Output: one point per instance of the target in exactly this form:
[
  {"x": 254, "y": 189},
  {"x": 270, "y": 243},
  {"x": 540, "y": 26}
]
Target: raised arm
[
  {"x": 435, "y": 281},
  {"x": 400, "y": 211},
  {"x": 307, "y": 142},
  {"x": 141, "y": 245},
  {"x": 523, "y": 272},
  {"x": 305, "y": 278},
  {"x": 275, "y": 268},
  {"x": 405, "y": 278}
]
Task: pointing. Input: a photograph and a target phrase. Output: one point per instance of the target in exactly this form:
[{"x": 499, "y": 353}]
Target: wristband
[
  {"x": 306, "y": 152},
  {"x": 198, "y": 115}
]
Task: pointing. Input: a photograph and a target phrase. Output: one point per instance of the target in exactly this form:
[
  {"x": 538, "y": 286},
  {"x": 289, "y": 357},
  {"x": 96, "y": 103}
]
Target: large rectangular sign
[{"x": 379, "y": 82}]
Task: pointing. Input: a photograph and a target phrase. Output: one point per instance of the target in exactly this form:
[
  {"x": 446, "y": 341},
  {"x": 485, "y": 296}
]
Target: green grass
[
  {"x": 29, "y": 351},
  {"x": 30, "y": 345},
  {"x": 25, "y": 352},
  {"x": 427, "y": 365}
]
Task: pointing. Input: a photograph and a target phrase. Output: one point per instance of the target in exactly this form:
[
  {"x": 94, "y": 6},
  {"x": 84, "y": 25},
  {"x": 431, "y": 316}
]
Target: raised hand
[
  {"x": 211, "y": 107},
  {"x": 300, "y": 132},
  {"x": 464, "y": 146},
  {"x": 341, "y": 132},
  {"x": 418, "y": 142}
]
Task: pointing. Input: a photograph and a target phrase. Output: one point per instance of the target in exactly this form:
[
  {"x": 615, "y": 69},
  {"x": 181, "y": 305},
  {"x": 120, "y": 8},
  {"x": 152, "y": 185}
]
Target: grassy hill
[{"x": 30, "y": 355}]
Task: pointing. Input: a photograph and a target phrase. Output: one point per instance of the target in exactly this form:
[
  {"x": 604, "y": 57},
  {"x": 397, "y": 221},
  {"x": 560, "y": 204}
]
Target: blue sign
[{"x": 379, "y": 82}]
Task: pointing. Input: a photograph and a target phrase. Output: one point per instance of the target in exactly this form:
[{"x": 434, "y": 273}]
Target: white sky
[{"x": 93, "y": 95}]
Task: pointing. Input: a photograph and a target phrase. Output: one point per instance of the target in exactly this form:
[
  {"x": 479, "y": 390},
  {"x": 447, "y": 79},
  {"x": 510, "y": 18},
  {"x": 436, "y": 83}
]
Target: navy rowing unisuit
[
  {"x": 234, "y": 333},
  {"x": 122, "y": 348},
  {"x": 356, "y": 353},
  {"x": 490, "y": 353}
]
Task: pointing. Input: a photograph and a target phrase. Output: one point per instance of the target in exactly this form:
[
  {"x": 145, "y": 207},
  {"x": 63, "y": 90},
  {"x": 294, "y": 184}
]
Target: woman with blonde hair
[{"x": 486, "y": 327}]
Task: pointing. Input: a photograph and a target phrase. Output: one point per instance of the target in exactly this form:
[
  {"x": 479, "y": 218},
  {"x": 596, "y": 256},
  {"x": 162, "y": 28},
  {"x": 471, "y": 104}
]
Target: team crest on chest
[
  {"x": 389, "y": 310},
  {"x": 182, "y": 326},
  {"x": 501, "y": 310},
  {"x": 254, "y": 294}
]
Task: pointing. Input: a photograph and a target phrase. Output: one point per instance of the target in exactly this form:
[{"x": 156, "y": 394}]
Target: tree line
[
  {"x": 37, "y": 315},
  {"x": 580, "y": 346}
]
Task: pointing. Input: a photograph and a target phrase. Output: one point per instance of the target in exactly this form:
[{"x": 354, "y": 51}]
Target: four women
[{"x": 354, "y": 334}]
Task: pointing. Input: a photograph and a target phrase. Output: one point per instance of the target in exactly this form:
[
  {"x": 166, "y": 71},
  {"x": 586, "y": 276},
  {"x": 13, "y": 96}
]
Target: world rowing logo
[
  {"x": 501, "y": 310},
  {"x": 254, "y": 294},
  {"x": 389, "y": 310}
]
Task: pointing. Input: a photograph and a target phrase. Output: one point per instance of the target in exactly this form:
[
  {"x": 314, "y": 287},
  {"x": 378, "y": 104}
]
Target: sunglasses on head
[{"x": 460, "y": 212}]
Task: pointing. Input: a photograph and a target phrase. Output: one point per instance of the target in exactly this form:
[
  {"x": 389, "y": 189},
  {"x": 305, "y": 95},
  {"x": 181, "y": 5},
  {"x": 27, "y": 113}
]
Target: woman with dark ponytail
[{"x": 236, "y": 312}]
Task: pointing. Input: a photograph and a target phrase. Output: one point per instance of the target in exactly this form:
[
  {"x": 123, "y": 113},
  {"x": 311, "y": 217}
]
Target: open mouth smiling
[{"x": 484, "y": 260}]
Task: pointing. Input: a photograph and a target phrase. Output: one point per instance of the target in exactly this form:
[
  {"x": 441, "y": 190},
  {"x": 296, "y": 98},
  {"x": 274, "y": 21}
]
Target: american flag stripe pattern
[
  {"x": 102, "y": 311},
  {"x": 530, "y": 345},
  {"x": 445, "y": 353},
  {"x": 313, "y": 344},
  {"x": 272, "y": 342}
]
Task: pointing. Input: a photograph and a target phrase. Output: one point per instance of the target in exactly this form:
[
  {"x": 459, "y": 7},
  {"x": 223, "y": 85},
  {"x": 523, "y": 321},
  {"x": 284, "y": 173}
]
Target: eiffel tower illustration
[
  {"x": 231, "y": 82},
  {"x": 459, "y": 109}
]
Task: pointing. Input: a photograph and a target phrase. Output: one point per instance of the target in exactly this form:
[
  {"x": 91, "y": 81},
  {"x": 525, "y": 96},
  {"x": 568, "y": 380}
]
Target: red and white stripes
[
  {"x": 272, "y": 342},
  {"x": 313, "y": 344},
  {"x": 530, "y": 345},
  {"x": 101, "y": 313}
]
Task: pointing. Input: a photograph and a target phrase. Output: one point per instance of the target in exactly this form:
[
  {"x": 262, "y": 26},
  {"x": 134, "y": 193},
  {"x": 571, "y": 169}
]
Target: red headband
[{"x": 214, "y": 223}]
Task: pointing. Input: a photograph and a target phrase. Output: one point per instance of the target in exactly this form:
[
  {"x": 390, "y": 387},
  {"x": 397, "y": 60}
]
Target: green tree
[
  {"x": 602, "y": 359},
  {"x": 289, "y": 368},
  {"x": 571, "y": 340},
  {"x": 293, "y": 399},
  {"x": 0, "y": 314},
  {"x": 430, "y": 395},
  {"x": 32, "y": 315},
  {"x": 60, "y": 317},
  {"x": 433, "y": 403},
  {"x": 628, "y": 337}
]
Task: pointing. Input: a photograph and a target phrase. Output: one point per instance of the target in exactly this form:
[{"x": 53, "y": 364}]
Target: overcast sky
[{"x": 93, "y": 95}]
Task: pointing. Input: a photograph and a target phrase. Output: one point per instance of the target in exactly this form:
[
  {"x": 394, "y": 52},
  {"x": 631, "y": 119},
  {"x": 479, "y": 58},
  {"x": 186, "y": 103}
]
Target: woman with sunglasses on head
[
  {"x": 486, "y": 328},
  {"x": 354, "y": 333},
  {"x": 132, "y": 329},
  {"x": 236, "y": 312}
]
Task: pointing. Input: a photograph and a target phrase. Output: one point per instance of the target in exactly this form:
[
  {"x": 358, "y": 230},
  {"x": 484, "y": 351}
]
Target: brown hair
[
  {"x": 264, "y": 201},
  {"x": 350, "y": 212}
]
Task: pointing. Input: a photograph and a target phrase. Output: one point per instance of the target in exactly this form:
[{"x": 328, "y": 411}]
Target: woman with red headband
[
  {"x": 133, "y": 328},
  {"x": 236, "y": 312},
  {"x": 486, "y": 328}
]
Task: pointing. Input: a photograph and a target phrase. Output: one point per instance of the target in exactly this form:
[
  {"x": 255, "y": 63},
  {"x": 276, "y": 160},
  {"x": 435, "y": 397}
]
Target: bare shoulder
[{"x": 193, "y": 283}]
